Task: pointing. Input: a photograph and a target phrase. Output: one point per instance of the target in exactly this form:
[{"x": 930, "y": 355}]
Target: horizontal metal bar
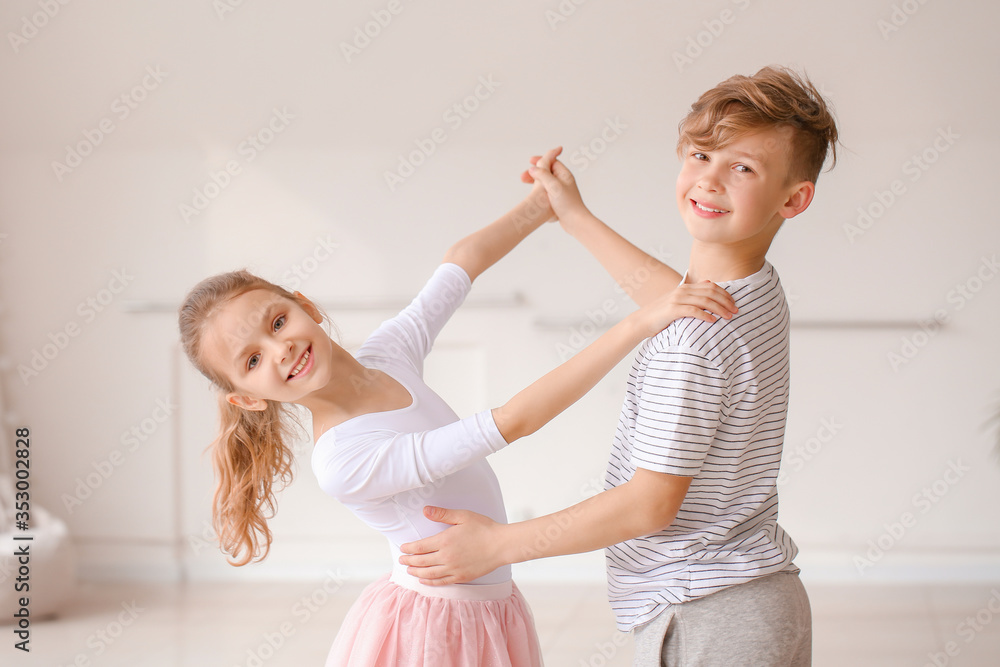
[
  {"x": 514, "y": 300},
  {"x": 873, "y": 325}
]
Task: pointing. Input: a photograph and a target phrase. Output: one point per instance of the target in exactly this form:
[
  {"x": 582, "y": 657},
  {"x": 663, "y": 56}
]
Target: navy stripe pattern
[{"x": 707, "y": 401}]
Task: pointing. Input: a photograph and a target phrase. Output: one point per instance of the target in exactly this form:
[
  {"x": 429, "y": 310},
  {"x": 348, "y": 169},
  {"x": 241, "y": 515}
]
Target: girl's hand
[
  {"x": 466, "y": 551},
  {"x": 705, "y": 301},
  {"x": 564, "y": 195}
]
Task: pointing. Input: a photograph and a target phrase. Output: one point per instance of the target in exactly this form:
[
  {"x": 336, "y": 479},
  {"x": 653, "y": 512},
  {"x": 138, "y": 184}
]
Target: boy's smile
[{"x": 734, "y": 198}]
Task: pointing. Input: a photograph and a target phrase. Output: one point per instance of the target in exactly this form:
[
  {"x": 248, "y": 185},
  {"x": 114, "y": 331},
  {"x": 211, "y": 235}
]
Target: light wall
[{"x": 312, "y": 207}]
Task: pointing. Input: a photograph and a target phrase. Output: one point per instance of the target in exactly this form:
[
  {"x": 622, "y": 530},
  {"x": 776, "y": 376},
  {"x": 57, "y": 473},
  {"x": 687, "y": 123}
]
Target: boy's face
[
  {"x": 269, "y": 347},
  {"x": 739, "y": 194}
]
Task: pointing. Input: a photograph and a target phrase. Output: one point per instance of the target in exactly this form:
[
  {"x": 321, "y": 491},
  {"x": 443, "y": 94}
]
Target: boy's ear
[
  {"x": 247, "y": 403},
  {"x": 310, "y": 308},
  {"x": 799, "y": 198}
]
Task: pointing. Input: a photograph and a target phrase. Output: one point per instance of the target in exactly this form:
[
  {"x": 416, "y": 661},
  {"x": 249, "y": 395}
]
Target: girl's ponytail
[
  {"x": 250, "y": 453},
  {"x": 252, "y": 449}
]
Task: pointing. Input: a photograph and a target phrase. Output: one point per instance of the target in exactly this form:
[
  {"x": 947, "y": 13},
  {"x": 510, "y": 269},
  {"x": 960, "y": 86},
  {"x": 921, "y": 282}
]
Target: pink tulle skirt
[{"x": 399, "y": 623}]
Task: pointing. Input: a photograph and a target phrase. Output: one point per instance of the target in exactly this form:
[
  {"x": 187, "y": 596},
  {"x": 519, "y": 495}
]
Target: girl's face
[{"x": 269, "y": 347}]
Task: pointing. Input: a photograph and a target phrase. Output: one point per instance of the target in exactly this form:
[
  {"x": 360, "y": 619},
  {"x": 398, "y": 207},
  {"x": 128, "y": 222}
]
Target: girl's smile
[{"x": 304, "y": 365}]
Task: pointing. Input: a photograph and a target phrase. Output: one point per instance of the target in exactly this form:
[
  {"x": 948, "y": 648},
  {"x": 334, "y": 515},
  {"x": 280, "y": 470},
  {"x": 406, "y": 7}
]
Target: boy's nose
[{"x": 710, "y": 181}]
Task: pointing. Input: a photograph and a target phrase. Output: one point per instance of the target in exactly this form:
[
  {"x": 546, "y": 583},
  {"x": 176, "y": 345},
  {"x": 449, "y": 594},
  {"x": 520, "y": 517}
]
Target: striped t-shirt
[{"x": 707, "y": 401}]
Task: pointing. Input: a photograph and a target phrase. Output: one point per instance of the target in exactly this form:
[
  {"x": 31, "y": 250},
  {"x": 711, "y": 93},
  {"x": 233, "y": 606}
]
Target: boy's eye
[
  {"x": 699, "y": 156},
  {"x": 743, "y": 169},
  {"x": 252, "y": 361}
]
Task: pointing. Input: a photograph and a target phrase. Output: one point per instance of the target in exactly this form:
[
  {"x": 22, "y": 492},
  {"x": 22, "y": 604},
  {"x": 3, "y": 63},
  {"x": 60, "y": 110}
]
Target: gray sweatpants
[{"x": 762, "y": 623}]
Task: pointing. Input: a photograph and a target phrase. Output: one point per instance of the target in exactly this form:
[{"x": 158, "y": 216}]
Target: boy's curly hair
[{"x": 773, "y": 97}]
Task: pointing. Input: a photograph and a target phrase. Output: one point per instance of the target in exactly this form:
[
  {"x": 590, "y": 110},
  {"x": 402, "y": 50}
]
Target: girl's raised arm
[
  {"x": 482, "y": 249},
  {"x": 536, "y": 405}
]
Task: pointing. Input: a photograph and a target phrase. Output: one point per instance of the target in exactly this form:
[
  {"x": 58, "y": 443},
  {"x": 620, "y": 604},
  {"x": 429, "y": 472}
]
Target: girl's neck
[{"x": 354, "y": 390}]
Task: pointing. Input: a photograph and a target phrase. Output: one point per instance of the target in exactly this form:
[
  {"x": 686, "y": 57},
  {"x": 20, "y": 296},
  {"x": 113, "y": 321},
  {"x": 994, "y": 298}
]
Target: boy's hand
[
  {"x": 705, "y": 301},
  {"x": 466, "y": 551},
  {"x": 564, "y": 195}
]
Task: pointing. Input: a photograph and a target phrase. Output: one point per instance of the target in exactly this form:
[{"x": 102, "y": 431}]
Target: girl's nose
[{"x": 281, "y": 349}]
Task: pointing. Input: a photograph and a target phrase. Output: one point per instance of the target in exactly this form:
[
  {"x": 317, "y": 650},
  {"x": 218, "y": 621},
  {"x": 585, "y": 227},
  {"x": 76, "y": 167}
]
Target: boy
[{"x": 697, "y": 563}]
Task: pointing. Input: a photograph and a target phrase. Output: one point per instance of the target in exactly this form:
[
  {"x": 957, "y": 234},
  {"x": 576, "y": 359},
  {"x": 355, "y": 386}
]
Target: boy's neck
[{"x": 721, "y": 264}]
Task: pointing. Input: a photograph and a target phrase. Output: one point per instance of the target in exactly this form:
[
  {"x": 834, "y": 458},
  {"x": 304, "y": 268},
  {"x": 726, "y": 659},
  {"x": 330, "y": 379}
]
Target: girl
[{"x": 385, "y": 444}]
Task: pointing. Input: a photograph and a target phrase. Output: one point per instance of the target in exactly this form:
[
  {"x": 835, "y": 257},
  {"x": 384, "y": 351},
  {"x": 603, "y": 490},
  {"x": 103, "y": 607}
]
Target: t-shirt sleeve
[
  {"x": 409, "y": 336},
  {"x": 678, "y": 413},
  {"x": 379, "y": 464}
]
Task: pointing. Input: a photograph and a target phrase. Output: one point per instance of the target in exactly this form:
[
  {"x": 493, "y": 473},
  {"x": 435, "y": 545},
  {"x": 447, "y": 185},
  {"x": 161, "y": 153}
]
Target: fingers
[
  {"x": 430, "y": 576},
  {"x": 421, "y": 559},
  {"x": 723, "y": 301},
  {"x": 442, "y": 515},
  {"x": 545, "y": 162},
  {"x": 560, "y": 171},
  {"x": 546, "y": 178},
  {"x": 425, "y": 546}
]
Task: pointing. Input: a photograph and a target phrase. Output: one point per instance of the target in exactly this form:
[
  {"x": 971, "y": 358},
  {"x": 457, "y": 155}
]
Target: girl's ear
[
  {"x": 247, "y": 403},
  {"x": 310, "y": 308},
  {"x": 798, "y": 200}
]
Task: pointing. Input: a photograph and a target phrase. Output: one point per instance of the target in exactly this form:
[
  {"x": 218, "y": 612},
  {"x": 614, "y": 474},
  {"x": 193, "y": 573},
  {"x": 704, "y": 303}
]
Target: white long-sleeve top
[{"x": 386, "y": 466}]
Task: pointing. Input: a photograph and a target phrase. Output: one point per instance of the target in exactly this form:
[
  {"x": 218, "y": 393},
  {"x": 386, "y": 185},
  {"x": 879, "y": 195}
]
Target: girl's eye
[
  {"x": 252, "y": 361},
  {"x": 280, "y": 322}
]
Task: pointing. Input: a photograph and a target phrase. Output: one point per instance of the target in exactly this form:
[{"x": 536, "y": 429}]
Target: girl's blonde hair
[{"x": 252, "y": 450}]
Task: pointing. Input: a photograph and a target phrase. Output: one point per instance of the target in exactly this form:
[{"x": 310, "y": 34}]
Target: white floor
[{"x": 254, "y": 624}]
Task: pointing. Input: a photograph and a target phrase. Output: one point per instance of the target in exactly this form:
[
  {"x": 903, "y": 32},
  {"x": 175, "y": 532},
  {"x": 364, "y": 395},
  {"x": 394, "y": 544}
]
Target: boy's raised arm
[{"x": 642, "y": 276}]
